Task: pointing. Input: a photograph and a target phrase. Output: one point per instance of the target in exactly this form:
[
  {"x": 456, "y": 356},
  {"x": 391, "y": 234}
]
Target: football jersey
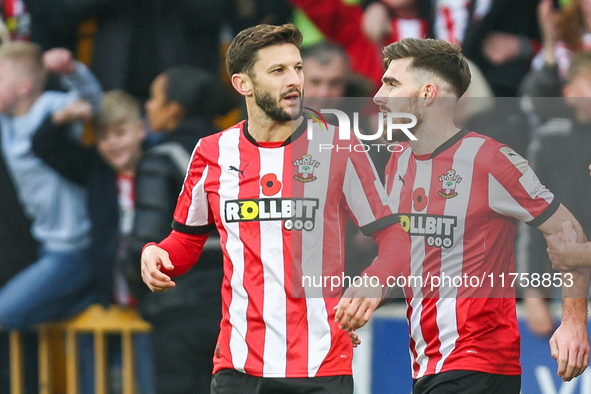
[
  {"x": 460, "y": 205},
  {"x": 281, "y": 211}
]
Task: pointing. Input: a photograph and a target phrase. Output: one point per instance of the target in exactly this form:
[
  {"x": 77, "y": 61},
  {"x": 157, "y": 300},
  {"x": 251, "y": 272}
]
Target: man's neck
[
  {"x": 264, "y": 129},
  {"x": 432, "y": 136}
]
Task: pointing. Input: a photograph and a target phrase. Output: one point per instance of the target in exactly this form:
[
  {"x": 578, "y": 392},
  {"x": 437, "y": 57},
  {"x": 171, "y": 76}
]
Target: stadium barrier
[{"x": 95, "y": 320}]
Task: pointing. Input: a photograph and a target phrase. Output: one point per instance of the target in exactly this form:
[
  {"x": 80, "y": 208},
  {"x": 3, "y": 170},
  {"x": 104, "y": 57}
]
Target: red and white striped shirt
[
  {"x": 281, "y": 211},
  {"x": 460, "y": 205}
]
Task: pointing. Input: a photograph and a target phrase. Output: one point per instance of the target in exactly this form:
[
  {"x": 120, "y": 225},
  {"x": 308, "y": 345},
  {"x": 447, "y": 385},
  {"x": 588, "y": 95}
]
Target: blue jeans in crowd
[{"x": 54, "y": 287}]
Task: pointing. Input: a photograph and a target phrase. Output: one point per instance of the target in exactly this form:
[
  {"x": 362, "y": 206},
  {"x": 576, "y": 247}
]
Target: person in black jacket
[
  {"x": 560, "y": 154},
  {"x": 186, "y": 319}
]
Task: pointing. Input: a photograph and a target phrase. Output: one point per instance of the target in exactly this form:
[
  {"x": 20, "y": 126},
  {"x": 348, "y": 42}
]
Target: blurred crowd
[{"x": 103, "y": 101}]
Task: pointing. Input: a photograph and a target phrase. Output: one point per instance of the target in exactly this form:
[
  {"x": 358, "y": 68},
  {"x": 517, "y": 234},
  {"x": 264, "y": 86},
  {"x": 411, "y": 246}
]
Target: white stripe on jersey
[
  {"x": 501, "y": 201},
  {"x": 353, "y": 189},
  {"x": 424, "y": 168},
  {"x": 447, "y": 323},
  {"x": 189, "y": 166},
  {"x": 229, "y": 154},
  {"x": 274, "y": 303},
  {"x": 409, "y": 28},
  {"x": 458, "y": 14},
  {"x": 198, "y": 214},
  {"x": 319, "y": 336}
]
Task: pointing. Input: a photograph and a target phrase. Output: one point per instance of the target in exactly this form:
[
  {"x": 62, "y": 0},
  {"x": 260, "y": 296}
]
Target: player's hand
[
  {"x": 356, "y": 306},
  {"x": 59, "y": 61},
  {"x": 355, "y": 340},
  {"x": 77, "y": 110},
  {"x": 589, "y": 169},
  {"x": 153, "y": 258},
  {"x": 570, "y": 348},
  {"x": 559, "y": 247}
]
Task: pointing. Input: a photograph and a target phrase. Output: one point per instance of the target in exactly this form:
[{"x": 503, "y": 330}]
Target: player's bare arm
[
  {"x": 564, "y": 250},
  {"x": 154, "y": 258},
  {"x": 570, "y": 343}
]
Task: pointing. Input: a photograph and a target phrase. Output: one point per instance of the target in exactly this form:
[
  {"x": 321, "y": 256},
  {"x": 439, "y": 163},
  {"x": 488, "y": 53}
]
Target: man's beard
[
  {"x": 411, "y": 106},
  {"x": 271, "y": 107}
]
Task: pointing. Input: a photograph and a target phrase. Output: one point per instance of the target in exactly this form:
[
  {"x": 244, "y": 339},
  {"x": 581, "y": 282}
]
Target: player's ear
[
  {"x": 242, "y": 83},
  {"x": 429, "y": 92}
]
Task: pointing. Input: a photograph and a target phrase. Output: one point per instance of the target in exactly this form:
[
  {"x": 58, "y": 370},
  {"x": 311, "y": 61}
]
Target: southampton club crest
[
  {"x": 305, "y": 168},
  {"x": 449, "y": 181}
]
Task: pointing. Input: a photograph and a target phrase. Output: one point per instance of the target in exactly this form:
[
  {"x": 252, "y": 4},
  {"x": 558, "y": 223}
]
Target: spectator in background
[
  {"x": 560, "y": 155},
  {"x": 342, "y": 23},
  {"x": 136, "y": 40},
  {"x": 448, "y": 19},
  {"x": 328, "y": 75},
  {"x": 564, "y": 32},
  {"x": 57, "y": 284},
  {"x": 107, "y": 172},
  {"x": 185, "y": 321},
  {"x": 501, "y": 39}
]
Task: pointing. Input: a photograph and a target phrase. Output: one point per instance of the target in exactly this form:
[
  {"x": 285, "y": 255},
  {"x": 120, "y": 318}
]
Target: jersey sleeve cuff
[
  {"x": 379, "y": 224},
  {"x": 193, "y": 230},
  {"x": 541, "y": 218}
]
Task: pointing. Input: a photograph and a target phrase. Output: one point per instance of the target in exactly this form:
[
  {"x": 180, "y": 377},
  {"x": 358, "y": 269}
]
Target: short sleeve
[
  {"x": 192, "y": 214},
  {"x": 515, "y": 190}
]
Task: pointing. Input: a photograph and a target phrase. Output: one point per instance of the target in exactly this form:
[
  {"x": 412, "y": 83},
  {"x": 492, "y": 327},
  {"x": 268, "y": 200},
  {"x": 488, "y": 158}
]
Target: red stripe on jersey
[
  {"x": 449, "y": 23},
  {"x": 425, "y": 29},
  {"x": 413, "y": 346},
  {"x": 395, "y": 36}
]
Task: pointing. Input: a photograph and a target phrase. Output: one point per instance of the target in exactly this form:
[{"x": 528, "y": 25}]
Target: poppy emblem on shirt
[
  {"x": 449, "y": 182},
  {"x": 305, "y": 168}
]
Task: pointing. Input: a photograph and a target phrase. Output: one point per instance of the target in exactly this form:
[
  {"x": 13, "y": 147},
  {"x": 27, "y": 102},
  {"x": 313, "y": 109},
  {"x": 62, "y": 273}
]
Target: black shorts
[
  {"x": 467, "y": 382},
  {"x": 230, "y": 381}
]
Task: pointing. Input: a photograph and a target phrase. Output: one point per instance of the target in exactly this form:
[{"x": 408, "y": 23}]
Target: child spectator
[
  {"x": 108, "y": 173},
  {"x": 57, "y": 284}
]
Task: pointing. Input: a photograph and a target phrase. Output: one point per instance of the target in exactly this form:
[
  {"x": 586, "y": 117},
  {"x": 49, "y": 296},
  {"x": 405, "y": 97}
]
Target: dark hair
[
  {"x": 197, "y": 90},
  {"x": 242, "y": 52},
  {"x": 436, "y": 56},
  {"x": 324, "y": 52}
]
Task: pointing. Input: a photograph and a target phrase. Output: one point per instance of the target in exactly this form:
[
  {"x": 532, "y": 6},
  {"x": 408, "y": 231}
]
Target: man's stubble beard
[
  {"x": 412, "y": 107},
  {"x": 272, "y": 108}
]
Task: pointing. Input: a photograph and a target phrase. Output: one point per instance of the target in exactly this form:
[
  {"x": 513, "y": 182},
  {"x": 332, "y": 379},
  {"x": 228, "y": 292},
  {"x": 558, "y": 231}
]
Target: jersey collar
[
  {"x": 294, "y": 136},
  {"x": 449, "y": 143}
]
